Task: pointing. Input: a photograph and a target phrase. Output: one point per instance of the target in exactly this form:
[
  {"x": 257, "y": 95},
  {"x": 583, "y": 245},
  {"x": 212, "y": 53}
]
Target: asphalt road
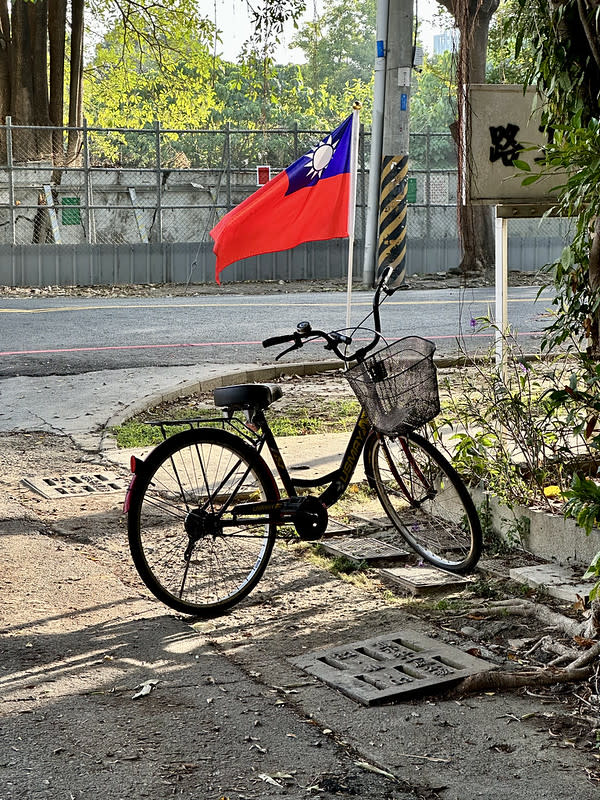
[{"x": 70, "y": 336}]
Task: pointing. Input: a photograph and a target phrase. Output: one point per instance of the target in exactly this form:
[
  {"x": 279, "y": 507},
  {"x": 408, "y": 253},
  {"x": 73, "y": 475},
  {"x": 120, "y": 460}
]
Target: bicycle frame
[
  {"x": 260, "y": 435},
  {"x": 337, "y": 481}
]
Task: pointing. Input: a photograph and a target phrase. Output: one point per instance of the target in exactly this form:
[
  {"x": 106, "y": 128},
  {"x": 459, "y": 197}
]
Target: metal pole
[
  {"x": 501, "y": 315},
  {"x": 87, "y": 177},
  {"x": 159, "y": 219},
  {"x": 394, "y": 162},
  {"x": 352, "y": 205},
  {"x": 11, "y": 179},
  {"x": 228, "y": 162},
  {"x": 376, "y": 143}
]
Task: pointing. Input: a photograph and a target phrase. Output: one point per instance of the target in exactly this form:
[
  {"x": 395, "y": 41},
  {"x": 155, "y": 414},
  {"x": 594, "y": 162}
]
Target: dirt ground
[
  {"x": 439, "y": 280},
  {"x": 229, "y": 715}
]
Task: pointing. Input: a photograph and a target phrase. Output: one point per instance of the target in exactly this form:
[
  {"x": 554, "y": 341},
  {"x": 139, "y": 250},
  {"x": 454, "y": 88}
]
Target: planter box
[{"x": 550, "y": 536}]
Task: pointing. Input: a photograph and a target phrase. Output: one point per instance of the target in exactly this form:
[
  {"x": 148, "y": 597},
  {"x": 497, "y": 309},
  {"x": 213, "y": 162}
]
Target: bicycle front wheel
[
  {"x": 185, "y": 544},
  {"x": 425, "y": 498}
]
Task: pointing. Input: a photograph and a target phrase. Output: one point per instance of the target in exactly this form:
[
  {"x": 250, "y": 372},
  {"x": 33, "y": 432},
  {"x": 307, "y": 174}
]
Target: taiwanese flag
[{"x": 306, "y": 202}]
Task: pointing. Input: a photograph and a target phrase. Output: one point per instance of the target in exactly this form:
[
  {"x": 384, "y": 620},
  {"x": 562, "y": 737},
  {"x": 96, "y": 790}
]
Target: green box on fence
[
  {"x": 411, "y": 190},
  {"x": 70, "y": 216}
]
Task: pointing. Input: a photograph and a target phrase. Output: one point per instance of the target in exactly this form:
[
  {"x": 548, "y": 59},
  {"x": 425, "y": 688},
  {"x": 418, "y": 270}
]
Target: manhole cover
[
  {"x": 389, "y": 667},
  {"x": 420, "y": 580},
  {"x": 70, "y": 485},
  {"x": 363, "y": 549}
]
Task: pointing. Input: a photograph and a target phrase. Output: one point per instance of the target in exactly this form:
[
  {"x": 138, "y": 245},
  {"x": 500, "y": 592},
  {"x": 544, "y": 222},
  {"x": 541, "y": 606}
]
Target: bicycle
[{"x": 204, "y": 508}]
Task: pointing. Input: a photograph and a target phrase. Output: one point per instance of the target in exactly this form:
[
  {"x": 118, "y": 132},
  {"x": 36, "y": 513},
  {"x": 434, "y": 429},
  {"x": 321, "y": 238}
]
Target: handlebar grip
[{"x": 273, "y": 340}]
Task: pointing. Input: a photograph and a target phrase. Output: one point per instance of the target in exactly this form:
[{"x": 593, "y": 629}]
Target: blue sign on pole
[
  {"x": 403, "y": 102},
  {"x": 380, "y": 48}
]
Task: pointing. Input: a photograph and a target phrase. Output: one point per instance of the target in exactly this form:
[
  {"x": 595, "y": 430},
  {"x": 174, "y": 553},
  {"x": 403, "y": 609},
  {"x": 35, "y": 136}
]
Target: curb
[
  {"x": 257, "y": 374},
  {"x": 252, "y": 375}
]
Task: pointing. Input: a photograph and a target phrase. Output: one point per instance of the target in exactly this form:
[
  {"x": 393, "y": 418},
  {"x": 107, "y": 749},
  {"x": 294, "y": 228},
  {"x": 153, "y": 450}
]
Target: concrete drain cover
[
  {"x": 71, "y": 485},
  {"x": 390, "y": 667},
  {"x": 363, "y": 549},
  {"x": 420, "y": 580}
]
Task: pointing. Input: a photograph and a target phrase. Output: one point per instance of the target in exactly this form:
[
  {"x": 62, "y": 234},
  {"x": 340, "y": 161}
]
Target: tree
[
  {"x": 473, "y": 18},
  {"x": 34, "y": 52},
  {"x": 32, "y": 72},
  {"x": 136, "y": 79},
  {"x": 564, "y": 39},
  {"x": 339, "y": 45}
]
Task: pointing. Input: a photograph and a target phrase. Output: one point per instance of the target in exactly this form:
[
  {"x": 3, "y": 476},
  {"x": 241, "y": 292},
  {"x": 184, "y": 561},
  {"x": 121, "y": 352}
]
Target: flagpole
[{"x": 352, "y": 203}]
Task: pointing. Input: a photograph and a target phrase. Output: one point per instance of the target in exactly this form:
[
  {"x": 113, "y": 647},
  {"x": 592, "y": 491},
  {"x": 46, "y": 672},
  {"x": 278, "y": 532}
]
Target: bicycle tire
[
  {"x": 184, "y": 491},
  {"x": 433, "y": 509}
]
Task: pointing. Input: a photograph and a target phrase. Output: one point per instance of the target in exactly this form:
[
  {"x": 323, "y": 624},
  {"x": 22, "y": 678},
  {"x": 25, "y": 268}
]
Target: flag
[{"x": 308, "y": 201}]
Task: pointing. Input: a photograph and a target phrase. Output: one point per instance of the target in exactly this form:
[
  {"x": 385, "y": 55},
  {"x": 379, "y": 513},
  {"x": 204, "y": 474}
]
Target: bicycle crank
[{"x": 307, "y": 514}]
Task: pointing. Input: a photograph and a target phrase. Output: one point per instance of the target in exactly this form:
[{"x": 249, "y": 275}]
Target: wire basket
[{"x": 397, "y": 386}]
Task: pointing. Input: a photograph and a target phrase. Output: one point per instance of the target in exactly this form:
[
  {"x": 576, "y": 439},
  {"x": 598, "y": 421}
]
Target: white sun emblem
[{"x": 320, "y": 156}]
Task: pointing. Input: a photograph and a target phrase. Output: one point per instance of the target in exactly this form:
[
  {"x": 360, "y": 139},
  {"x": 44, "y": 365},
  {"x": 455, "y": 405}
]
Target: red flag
[{"x": 306, "y": 202}]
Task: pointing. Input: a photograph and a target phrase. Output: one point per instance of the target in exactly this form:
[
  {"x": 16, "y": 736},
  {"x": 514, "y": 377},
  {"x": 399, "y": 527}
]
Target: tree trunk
[
  {"x": 32, "y": 75},
  {"x": 5, "y": 72},
  {"x": 38, "y": 24},
  {"x": 593, "y": 333},
  {"x": 476, "y": 229},
  {"x": 21, "y": 95},
  {"x": 76, "y": 82},
  {"x": 57, "y": 23}
]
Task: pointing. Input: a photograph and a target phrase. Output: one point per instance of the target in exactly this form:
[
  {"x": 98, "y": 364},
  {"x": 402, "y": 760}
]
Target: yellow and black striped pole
[{"x": 392, "y": 218}]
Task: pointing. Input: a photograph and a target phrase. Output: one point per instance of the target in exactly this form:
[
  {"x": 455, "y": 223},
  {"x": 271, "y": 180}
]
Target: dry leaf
[{"x": 144, "y": 689}]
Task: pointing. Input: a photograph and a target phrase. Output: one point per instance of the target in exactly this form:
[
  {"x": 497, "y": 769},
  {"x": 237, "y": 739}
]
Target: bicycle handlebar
[{"x": 305, "y": 332}]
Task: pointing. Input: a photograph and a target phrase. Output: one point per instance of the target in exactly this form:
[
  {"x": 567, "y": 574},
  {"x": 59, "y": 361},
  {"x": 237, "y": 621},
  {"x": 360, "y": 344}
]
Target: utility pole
[{"x": 397, "y": 50}]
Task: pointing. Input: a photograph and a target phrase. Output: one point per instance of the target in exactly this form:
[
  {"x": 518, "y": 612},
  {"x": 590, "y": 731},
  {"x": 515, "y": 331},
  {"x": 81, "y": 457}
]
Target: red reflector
[{"x": 133, "y": 464}]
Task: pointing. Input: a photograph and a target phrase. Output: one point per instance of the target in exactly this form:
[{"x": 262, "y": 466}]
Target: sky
[{"x": 232, "y": 19}]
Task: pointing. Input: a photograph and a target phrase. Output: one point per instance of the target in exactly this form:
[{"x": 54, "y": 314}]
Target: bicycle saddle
[{"x": 247, "y": 395}]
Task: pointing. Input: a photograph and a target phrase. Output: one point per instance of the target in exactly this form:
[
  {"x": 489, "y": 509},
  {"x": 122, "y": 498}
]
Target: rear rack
[{"x": 237, "y": 425}]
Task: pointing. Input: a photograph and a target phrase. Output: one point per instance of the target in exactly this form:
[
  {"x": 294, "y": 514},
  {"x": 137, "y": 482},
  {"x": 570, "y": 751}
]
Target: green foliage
[
  {"x": 334, "y": 416},
  {"x": 433, "y": 96},
  {"x": 583, "y": 503},
  {"x": 161, "y": 71},
  {"x": 506, "y": 432},
  {"x": 593, "y": 571},
  {"x": 502, "y": 65},
  {"x": 339, "y": 46}
]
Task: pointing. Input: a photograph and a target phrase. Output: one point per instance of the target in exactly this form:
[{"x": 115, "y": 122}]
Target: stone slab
[
  {"x": 335, "y": 528},
  {"x": 372, "y": 523},
  {"x": 55, "y": 487},
  {"x": 390, "y": 667},
  {"x": 424, "y": 579},
  {"x": 364, "y": 548},
  {"x": 564, "y": 583}
]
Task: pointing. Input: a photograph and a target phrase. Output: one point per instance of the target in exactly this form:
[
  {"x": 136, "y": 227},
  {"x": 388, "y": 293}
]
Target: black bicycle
[{"x": 204, "y": 508}]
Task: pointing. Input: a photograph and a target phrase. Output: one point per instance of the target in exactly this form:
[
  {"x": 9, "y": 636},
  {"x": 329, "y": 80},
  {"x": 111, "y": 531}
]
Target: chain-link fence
[
  {"x": 92, "y": 186},
  {"x": 160, "y": 185}
]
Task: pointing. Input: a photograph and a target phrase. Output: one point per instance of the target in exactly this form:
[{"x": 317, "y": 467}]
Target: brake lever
[{"x": 298, "y": 343}]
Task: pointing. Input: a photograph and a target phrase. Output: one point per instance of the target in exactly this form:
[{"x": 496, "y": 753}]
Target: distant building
[{"x": 447, "y": 40}]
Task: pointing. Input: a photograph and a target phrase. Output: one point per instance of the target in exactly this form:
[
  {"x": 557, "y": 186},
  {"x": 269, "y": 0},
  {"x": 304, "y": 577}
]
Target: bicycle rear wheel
[
  {"x": 185, "y": 545},
  {"x": 425, "y": 498}
]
